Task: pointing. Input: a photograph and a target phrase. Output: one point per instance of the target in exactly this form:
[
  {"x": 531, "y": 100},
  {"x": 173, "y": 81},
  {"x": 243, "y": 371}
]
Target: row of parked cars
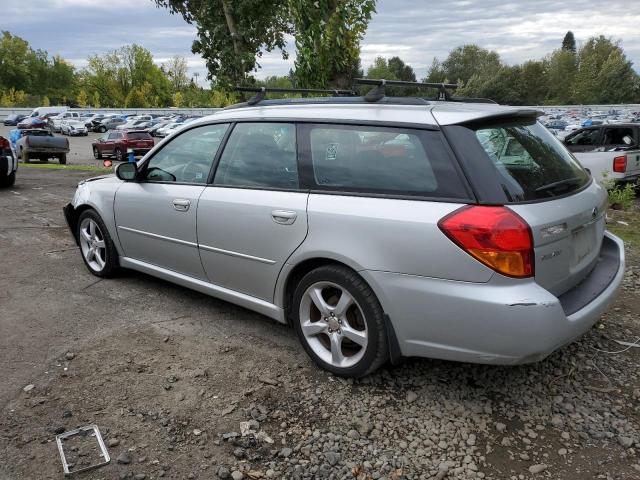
[{"x": 80, "y": 124}]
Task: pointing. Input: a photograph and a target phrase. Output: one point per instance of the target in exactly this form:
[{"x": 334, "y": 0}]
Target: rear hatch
[{"x": 514, "y": 161}]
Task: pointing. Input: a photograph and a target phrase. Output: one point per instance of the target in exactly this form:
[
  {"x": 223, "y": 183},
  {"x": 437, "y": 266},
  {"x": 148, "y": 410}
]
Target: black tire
[
  {"x": 8, "y": 180},
  {"x": 118, "y": 153},
  {"x": 96, "y": 154},
  {"x": 62, "y": 159},
  {"x": 111, "y": 266},
  {"x": 24, "y": 155},
  {"x": 102, "y": 129},
  {"x": 377, "y": 350}
]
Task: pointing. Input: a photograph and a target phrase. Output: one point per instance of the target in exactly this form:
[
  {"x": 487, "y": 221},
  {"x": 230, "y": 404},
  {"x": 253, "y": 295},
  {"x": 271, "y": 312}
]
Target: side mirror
[
  {"x": 627, "y": 140},
  {"x": 127, "y": 171}
]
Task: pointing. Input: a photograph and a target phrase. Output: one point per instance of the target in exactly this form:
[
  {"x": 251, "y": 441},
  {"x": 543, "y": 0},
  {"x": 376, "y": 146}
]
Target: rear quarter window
[{"x": 381, "y": 160}]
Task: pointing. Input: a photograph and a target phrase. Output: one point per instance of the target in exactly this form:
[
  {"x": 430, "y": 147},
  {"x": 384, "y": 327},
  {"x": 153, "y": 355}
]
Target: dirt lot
[
  {"x": 80, "y": 147},
  {"x": 185, "y": 386}
]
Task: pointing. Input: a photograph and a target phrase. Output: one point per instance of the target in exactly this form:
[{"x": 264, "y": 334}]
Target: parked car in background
[
  {"x": 73, "y": 128},
  {"x": 88, "y": 122},
  {"x": 42, "y": 111},
  {"x": 466, "y": 232},
  {"x": 117, "y": 144},
  {"x": 55, "y": 123},
  {"x": 32, "y": 122},
  {"x": 109, "y": 124},
  {"x": 96, "y": 123},
  {"x": 608, "y": 151},
  {"x": 154, "y": 129},
  {"x": 41, "y": 144},
  {"x": 13, "y": 120},
  {"x": 167, "y": 129},
  {"x": 8, "y": 164},
  {"x": 133, "y": 125},
  {"x": 556, "y": 125}
]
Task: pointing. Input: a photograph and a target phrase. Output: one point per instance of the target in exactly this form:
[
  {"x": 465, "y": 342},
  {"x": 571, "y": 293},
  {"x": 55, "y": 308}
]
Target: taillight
[
  {"x": 496, "y": 236},
  {"x": 4, "y": 144},
  {"x": 620, "y": 164}
]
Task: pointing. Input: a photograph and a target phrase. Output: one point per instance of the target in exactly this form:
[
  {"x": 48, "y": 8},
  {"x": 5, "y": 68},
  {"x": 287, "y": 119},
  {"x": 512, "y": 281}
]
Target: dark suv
[{"x": 118, "y": 143}]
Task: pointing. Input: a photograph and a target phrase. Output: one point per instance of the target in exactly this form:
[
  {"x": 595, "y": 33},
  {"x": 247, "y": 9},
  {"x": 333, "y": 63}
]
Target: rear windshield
[
  {"x": 531, "y": 162},
  {"x": 138, "y": 136}
]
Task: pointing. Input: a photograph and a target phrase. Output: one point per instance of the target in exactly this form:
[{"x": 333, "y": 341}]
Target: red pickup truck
[{"x": 117, "y": 143}]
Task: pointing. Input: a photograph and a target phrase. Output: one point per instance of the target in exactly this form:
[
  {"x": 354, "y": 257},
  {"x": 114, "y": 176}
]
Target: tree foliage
[
  {"x": 327, "y": 39},
  {"x": 231, "y": 35}
]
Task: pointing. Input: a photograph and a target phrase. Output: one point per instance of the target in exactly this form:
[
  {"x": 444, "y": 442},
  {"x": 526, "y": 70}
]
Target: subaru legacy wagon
[{"x": 379, "y": 230}]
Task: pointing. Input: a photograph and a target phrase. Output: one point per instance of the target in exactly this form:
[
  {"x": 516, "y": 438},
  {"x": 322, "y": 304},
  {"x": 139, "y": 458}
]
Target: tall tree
[
  {"x": 569, "y": 42},
  {"x": 233, "y": 34},
  {"x": 468, "y": 60},
  {"x": 176, "y": 69},
  {"x": 327, "y": 38}
]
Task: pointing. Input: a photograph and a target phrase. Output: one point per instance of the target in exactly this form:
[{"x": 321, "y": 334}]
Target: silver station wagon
[{"x": 379, "y": 228}]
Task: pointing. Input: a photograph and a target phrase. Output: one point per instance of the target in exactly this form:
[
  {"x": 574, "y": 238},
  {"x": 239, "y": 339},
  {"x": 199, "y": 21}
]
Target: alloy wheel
[
  {"x": 333, "y": 324},
  {"x": 92, "y": 245}
]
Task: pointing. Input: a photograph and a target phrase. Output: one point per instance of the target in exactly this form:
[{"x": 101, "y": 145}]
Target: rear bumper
[{"x": 503, "y": 321}]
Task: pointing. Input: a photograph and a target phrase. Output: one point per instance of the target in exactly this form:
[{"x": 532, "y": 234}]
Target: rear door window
[
  {"x": 613, "y": 136},
  {"x": 532, "y": 164},
  {"x": 381, "y": 160}
]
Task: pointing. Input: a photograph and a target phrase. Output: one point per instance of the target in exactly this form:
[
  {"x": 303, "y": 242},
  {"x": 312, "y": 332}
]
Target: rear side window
[
  {"x": 382, "y": 160},
  {"x": 614, "y": 136},
  {"x": 532, "y": 164}
]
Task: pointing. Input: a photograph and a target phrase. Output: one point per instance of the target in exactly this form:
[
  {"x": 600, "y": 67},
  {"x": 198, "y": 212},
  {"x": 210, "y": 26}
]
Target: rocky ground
[{"x": 186, "y": 387}]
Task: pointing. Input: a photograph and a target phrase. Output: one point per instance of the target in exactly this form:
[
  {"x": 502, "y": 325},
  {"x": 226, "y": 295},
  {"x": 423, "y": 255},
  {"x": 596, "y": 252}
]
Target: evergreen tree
[{"x": 569, "y": 42}]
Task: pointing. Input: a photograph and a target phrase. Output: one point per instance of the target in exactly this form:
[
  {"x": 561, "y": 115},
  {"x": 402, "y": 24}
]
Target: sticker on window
[{"x": 332, "y": 151}]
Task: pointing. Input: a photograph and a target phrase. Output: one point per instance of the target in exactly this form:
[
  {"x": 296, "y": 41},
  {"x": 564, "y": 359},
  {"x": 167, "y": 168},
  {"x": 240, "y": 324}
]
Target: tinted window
[
  {"x": 614, "y": 136},
  {"x": 138, "y": 136},
  {"x": 584, "y": 137},
  {"x": 113, "y": 136},
  {"x": 188, "y": 157},
  {"x": 531, "y": 162},
  {"x": 382, "y": 160},
  {"x": 260, "y": 155}
]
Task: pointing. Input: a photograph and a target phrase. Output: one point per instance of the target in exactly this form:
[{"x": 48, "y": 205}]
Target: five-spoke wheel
[
  {"x": 97, "y": 248},
  {"x": 340, "y": 321}
]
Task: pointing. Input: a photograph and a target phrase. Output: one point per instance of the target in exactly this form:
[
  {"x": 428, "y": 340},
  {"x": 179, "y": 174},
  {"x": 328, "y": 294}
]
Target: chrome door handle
[
  {"x": 284, "y": 217},
  {"x": 181, "y": 204}
]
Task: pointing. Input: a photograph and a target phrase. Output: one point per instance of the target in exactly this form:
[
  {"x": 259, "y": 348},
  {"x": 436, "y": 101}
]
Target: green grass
[
  {"x": 57, "y": 166},
  {"x": 626, "y": 225}
]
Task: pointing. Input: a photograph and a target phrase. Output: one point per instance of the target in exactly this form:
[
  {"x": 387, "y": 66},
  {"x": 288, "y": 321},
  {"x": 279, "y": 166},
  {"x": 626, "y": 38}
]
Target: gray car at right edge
[{"x": 378, "y": 230}]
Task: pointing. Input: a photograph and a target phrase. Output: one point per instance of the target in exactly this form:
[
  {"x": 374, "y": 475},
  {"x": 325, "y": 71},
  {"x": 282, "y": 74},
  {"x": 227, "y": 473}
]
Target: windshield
[{"x": 532, "y": 163}]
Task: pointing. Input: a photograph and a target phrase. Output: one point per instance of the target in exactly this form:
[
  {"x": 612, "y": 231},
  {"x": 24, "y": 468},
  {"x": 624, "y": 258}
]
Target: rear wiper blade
[{"x": 568, "y": 182}]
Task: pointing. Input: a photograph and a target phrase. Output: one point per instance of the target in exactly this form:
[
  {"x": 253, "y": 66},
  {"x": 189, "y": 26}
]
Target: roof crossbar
[
  {"x": 378, "y": 92},
  {"x": 261, "y": 92}
]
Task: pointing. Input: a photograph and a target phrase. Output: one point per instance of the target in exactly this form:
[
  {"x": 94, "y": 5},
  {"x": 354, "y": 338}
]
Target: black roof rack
[
  {"x": 378, "y": 92},
  {"x": 261, "y": 92}
]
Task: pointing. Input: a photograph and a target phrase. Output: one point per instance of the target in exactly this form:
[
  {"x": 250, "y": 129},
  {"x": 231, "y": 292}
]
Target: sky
[{"x": 415, "y": 30}]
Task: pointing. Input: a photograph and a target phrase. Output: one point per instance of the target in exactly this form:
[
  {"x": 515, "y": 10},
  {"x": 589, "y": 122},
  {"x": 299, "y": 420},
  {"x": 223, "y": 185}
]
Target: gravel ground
[
  {"x": 80, "y": 152},
  {"x": 185, "y": 386}
]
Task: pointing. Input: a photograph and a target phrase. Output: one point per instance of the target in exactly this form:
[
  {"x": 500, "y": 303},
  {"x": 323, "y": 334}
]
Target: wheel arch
[{"x": 296, "y": 272}]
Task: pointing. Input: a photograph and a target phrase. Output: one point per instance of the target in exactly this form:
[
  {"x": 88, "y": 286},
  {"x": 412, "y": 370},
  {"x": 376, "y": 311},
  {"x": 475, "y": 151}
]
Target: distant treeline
[{"x": 598, "y": 72}]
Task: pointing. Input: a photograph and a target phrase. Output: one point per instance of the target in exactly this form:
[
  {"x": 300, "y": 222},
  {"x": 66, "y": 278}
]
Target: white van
[{"x": 41, "y": 111}]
